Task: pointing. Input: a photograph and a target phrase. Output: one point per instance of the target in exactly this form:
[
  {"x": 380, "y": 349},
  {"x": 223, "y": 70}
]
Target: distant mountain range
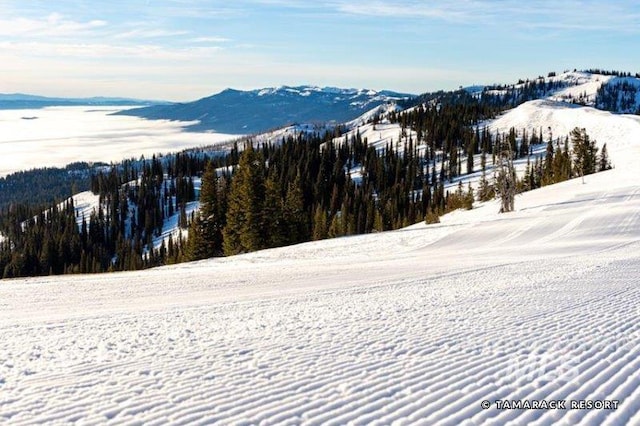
[
  {"x": 249, "y": 112},
  {"x": 25, "y": 101}
]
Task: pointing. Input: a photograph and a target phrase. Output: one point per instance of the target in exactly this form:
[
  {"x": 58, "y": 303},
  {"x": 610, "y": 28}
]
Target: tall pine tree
[
  {"x": 243, "y": 231},
  {"x": 205, "y": 232}
]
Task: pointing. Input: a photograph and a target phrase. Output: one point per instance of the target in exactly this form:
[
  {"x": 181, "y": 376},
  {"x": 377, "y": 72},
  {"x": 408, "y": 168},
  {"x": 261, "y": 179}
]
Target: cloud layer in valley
[{"x": 59, "y": 136}]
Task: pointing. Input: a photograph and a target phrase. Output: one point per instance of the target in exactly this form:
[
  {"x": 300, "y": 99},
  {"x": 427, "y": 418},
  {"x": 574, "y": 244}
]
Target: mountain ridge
[
  {"x": 250, "y": 112},
  {"x": 29, "y": 101}
]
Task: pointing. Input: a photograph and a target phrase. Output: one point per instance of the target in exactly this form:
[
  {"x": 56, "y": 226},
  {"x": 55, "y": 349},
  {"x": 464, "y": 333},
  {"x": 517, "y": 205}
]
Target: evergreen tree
[
  {"x": 485, "y": 189},
  {"x": 182, "y": 218},
  {"x": 243, "y": 231},
  {"x": 205, "y": 233},
  {"x": 336, "y": 227},
  {"x": 585, "y": 152},
  {"x": 319, "y": 224},
  {"x": 470, "y": 153},
  {"x": 275, "y": 228},
  {"x": 196, "y": 242},
  {"x": 603, "y": 161},
  {"x": 469, "y": 198},
  {"x": 295, "y": 215}
]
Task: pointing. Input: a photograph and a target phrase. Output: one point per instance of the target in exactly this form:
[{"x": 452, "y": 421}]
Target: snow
[
  {"x": 307, "y": 91},
  {"x": 420, "y": 324},
  {"x": 628, "y": 102},
  {"x": 581, "y": 84},
  {"x": 85, "y": 203},
  {"x": 578, "y": 85},
  {"x": 267, "y": 91},
  {"x": 170, "y": 228},
  {"x": 380, "y": 111},
  {"x": 620, "y": 132},
  {"x": 379, "y": 135},
  {"x": 276, "y": 136},
  {"x": 62, "y": 135},
  {"x": 415, "y": 326}
]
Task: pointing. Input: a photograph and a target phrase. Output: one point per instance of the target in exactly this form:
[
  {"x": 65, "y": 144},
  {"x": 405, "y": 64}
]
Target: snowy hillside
[
  {"x": 620, "y": 132},
  {"x": 554, "y": 118},
  {"x": 416, "y": 326},
  {"x": 611, "y": 92},
  {"x": 250, "y": 112},
  {"x": 362, "y": 124},
  {"x": 87, "y": 203},
  {"x": 569, "y": 86},
  {"x": 620, "y": 94},
  {"x": 581, "y": 86}
]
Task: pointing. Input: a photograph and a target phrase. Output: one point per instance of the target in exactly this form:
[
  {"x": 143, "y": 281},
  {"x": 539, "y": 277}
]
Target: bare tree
[{"x": 505, "y": 178}]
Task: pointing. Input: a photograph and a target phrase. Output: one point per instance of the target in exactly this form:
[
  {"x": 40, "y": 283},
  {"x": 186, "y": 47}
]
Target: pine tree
[
  {"x": 378, "y": 222},
  {"x": 295, "y": 215},
  {"x": 243, "y": 231},
  {"x": 196, "y": 245},
  {"x": 205, "y": 232},
  {"x": 603, "y": 161},
  {"x": 470, "y": 152},
  {"x": 336, "y": 228},
  {"x": 182, "y": 218},
  {"x": 274, "y": 221},
  {"x": 469, "y": 198},
  {"x": 485, "y": 190},
  {"x": 585, "y": 152},
  {"x": 319, "y": 224}
]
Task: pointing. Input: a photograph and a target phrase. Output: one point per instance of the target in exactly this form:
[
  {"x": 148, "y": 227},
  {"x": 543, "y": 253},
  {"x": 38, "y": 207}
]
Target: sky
[{"x": 182, "y": 50}]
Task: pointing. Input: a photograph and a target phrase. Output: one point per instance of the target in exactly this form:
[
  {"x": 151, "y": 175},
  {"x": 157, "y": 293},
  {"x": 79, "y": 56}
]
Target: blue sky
[{"x": 187, "y": 49}]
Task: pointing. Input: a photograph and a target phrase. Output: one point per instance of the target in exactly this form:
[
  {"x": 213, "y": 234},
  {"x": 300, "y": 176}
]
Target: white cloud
[
  {"x": 150, "y": 33},
  {"x": 442, "y": 10},
  {"x": 105, "y": 51},
  {"x": 210, "y": 40},
  {"x": 53, "y": 25},
  {"x": 63, "y": 135},
  {"x": 196, "y": 9},
  {"x": 543, "y": 14}
]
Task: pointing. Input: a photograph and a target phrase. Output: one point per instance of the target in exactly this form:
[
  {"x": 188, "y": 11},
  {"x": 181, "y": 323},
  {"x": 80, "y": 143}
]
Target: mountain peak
[{"x": 246, "y": 112}]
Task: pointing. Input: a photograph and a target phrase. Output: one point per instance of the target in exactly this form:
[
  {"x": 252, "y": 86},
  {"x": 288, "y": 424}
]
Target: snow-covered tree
[{"x": 505, "y": 178}]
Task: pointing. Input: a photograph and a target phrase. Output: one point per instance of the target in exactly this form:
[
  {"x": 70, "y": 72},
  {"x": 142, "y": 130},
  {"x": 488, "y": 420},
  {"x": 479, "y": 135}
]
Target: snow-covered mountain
[
  {"x": 615, "y": 92},
  {"x": 249, "y": 112},
  {"x": 556, "y": 112},
  {"x": 423, "y": 325},
  {"x": 620, "y": 94},
  {"x": 430, "y": 324}
]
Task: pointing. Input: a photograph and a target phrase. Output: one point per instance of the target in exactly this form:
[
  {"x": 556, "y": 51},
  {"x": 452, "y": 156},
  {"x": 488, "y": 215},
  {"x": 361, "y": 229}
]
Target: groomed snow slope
[{"x": 416, "y": 326}]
